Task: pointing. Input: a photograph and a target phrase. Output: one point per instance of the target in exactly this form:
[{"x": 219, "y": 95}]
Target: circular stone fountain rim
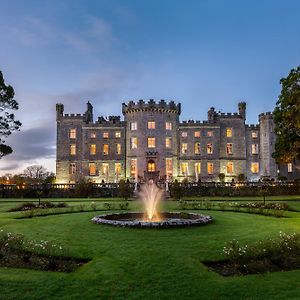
[{"x": 196, "y": 220}]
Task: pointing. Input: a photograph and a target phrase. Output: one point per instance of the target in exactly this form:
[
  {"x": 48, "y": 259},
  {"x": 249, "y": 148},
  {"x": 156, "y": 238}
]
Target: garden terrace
[{"x": 127, "y": 263}]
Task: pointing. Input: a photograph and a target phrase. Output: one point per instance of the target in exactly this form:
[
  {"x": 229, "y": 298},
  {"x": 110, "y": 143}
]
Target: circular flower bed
[{"x": 168, "y": 219}]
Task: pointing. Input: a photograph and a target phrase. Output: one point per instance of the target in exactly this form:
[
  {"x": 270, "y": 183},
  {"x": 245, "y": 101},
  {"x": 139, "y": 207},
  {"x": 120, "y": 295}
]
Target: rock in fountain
[{"x": 151, "y": 195}]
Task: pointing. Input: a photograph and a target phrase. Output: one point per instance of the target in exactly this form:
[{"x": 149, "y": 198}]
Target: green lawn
[{"x": 139, "y": 264}]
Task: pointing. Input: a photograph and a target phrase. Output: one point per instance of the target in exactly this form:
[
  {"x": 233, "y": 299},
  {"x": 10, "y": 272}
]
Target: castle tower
[
  {"x": 211, "y": 115},
  {"x": 242, "y": 109},
  {"x": 151, "y": 139},
  {"x": 59, "y": 110},
  {"x": 268, "y": 166},
  {"x": 89, "y": 113}
]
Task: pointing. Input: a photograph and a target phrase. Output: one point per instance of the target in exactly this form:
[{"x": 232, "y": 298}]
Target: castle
[{"x": 152, "y": 143}]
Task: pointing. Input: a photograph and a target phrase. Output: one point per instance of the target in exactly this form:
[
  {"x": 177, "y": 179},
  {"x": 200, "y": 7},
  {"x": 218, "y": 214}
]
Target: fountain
[{"x": 150, "y": 195}]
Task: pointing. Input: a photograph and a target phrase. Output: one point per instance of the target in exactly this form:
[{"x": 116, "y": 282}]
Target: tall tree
[
  {"x": 37, "y": 173},
  {"x": 7, "y": 119},
  {"x": 287, "y": 119}
]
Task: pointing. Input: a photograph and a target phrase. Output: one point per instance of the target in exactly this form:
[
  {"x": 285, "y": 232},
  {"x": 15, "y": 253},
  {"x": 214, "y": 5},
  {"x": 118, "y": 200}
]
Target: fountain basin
[{"x": 167, "y": 219}]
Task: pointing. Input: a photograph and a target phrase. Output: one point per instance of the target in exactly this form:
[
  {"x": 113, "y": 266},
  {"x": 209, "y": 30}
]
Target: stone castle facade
[{"x": 151, "y": 142}]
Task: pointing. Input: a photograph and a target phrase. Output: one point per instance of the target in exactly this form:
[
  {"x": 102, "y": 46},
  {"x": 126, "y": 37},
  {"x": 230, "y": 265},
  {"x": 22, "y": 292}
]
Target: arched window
[{"x": 151, "y": 166}]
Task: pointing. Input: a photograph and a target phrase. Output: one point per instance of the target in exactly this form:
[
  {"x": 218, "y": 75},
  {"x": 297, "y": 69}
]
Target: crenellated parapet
[
  {"x": 229, "y": 115},
  {"x": 252, "y": 126},
  {"x": 73, "y": 116},
  {"x": 111, "y": 120},
  {"x": 151, "y": 105},
  {"x": 194, "y": 123},
  {"x": 265, "y": 116}
]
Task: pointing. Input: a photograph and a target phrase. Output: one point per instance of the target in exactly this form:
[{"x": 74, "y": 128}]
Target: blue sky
[{"x": 202, "y": 53}]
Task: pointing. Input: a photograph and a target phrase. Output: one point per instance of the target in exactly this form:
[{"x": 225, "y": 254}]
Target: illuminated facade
[{"x": 151, "y": 142}]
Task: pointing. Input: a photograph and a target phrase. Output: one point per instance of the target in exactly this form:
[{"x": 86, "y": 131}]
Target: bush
[
  {"x": 123, "y": 206},
  {"x": 277, "y": 250},
  {"x": 125, "y": 191},
  {"x": 93, "y": 205},
  {"x": 43, "y": 205},
  {"x": 176, "y": 190}
]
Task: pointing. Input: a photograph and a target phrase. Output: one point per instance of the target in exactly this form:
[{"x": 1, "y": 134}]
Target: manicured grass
[{"x": 130, "y": 263}]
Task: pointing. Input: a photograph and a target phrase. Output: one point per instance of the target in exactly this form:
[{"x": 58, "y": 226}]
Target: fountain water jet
[{"x": 151, "y": 195}]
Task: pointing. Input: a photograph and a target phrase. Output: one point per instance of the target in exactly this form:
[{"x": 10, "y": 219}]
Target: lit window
[
  {"x": 105, "y": 135},
  {"x": 229, "y": 148},
  {"x": 209, "y": 148},
  {"x": 151, "y": 142},
  {"x": 118, "y": 134},
  {"x": 168, "y": 126},
  {"x": 254, "y": 167},
  {"x": 254, "y": 134},
  {"x": 184, "y": 168},
  {"x": 169, "y": 167},
  {"x": 197, "y": 148},
  {"x": 93, "y": 135},
  {"x": 105, "y": 149},
  {"x": 210, "y": 168},
  {"x": 209, "y": 133},
  {"x": 72, "y": 168},
  {"x": 229, "y": 168},
  {"x": 93, "y": 149},
  {"x": 254, "y": 148},
  {"x": 92, "y": 169},
  {"x": 168, "y": 142},
  {"x": 151, "y": 166},
  {"x": 290, "y": 168},
  {"x": 197, "y": 134},
  {"x": 72, "y": 133},
  {"x": 133, "y": 167},
  {"x": 105, "y": 169},
  {"x": 118, "y": 169},
  {"x": 229, "y": 132},
  {"x": 197, "y": 168},
  {"x": 72, "y": 149},
  {"x": 151, "y": 125},
  {"x": 134, "y": 142},
  {"x": 184, "y": 148},
  {"x": 184, "y": 134},
  {"x": 118, "y": 149},
  {"x": 133, "y": 126}
]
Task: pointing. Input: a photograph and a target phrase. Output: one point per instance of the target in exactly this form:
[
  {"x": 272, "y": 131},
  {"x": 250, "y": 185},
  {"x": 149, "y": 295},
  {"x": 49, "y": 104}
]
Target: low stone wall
[{"x": 167, "y": 220}]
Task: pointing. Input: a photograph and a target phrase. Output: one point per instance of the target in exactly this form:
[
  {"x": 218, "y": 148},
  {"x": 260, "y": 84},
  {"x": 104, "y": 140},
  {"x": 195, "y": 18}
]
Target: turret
[
  {"x": 88, "y": 116},
  {"x": 211, "y": 115},
  {"x": 267, "y": 142},
  {"x": 59, "y": 111},
  {"x": 242, "y": 109}
]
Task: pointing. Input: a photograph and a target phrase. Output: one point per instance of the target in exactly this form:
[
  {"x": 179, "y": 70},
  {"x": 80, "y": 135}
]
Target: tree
[
  {"x": 125, "y": 191},
  {"x": 241, "y": 177},
  {"x": 287, "y": 119},
  {"x": 7, "y": 119},
  {"x": 37, "y": 173},
  {"x": 221, "y": 177}
]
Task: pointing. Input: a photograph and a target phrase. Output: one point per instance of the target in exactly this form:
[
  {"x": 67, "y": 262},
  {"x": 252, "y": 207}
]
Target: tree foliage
[
  {"x": 287, "y": 119},
  {"x": 37, "y": 174},
  {"x": 7, "y": 119}
]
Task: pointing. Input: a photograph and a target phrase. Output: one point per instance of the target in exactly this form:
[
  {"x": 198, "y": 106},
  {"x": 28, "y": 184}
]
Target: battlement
[
  {"x": 265, "y": 116},
  {"x": 252, "y": 126},
  {"x": 73, "y": 116},
  {"x": 111, "y": 120},
  {"x": 193, "y": 123},
  {"x": 229, "y": 115},
  {"x": 151, "y": 105}
]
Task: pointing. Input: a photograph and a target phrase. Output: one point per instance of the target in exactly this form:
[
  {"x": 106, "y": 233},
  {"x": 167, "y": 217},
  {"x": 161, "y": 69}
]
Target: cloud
[
  {"x": 29, "y": 146},
  {"x": 94, "y": 34}
]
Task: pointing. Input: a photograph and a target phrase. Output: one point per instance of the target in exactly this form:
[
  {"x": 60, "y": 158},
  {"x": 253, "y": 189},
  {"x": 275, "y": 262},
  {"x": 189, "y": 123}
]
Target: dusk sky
[{"x": 202, "y": 53}]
